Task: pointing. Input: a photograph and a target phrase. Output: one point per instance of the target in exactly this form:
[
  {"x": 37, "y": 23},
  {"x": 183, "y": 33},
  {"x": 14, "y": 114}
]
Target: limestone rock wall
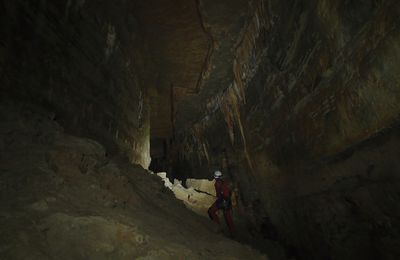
[
  {"x": 84, "y": 62},
  {"x": 308, "y": 129}
]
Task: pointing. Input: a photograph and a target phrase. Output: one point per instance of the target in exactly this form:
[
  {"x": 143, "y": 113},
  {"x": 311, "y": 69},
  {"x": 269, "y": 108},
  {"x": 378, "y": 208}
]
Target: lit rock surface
[{"x": 194, "y": 198}]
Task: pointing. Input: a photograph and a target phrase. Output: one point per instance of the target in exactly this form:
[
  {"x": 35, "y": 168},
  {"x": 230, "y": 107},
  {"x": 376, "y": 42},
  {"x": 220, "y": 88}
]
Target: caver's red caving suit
[{"x": 223, "y": 203}]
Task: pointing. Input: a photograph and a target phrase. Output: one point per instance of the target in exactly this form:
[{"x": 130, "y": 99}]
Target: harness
[{"x": 223, "y": 196}]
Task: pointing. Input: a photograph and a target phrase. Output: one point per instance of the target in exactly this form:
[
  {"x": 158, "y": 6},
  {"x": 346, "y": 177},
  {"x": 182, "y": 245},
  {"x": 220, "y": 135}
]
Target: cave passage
[{"x": 114, "y": 116}]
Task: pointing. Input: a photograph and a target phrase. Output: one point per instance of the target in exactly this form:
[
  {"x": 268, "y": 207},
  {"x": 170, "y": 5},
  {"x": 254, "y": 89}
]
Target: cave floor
[{"x": 64, "y": 198}]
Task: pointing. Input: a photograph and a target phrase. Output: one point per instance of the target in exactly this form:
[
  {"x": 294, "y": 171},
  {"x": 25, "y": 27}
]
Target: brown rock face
[
  {"x": 84, "y": 62},
  {"x": 303, "y": 126},
  {"x": 179, "y": 46},
  {"x": 296, "y": 101}
]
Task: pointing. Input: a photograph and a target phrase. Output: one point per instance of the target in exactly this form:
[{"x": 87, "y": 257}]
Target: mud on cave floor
[{"x": 63, "y": 198}]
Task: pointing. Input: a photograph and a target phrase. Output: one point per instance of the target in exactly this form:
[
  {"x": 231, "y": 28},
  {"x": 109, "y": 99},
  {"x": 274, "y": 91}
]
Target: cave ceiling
[{"x": 190, "y": 45}]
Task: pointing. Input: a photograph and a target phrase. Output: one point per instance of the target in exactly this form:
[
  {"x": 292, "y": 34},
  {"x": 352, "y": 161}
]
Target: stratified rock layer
[
  {"x": 84, "y": 62},
  {"x": 295, "y": 101},
  {"x": 307, "y": 129}
]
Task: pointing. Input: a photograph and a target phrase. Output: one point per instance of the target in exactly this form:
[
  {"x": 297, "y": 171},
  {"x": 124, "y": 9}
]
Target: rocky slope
[{"x": 62, "y": 197}]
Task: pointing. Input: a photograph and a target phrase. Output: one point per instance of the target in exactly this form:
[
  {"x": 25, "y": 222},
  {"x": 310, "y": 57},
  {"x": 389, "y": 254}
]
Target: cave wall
[
  {"x": 84, "y": 62},
  {"x": 308, "y": 129}
]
